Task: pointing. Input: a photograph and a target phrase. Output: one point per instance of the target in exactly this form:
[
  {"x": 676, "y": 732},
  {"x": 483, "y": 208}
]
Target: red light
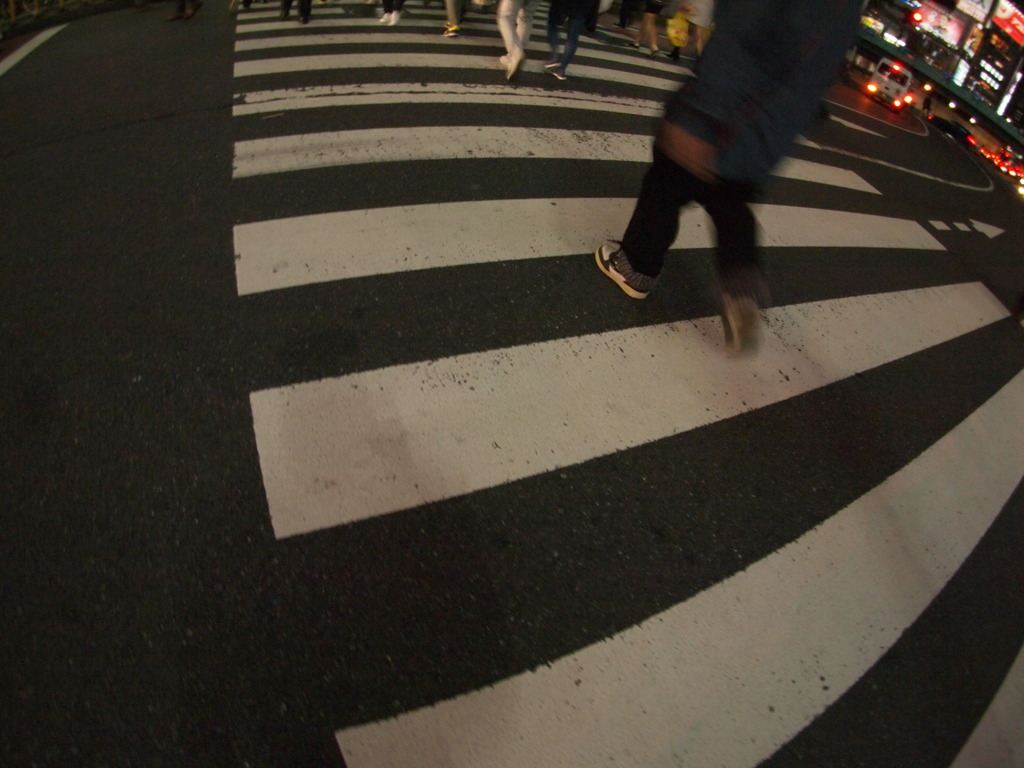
[
  {"x": 909, "y": 98},
  {"x": 897, "y": 103},
  {"x": 896, "y": 67},
  {"x": 917, "y": 17},
  {"x": 972, "y": 140}
]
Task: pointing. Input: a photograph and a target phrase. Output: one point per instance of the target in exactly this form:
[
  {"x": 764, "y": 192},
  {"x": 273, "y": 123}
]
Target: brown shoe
[{"x": 193, "y": 10}]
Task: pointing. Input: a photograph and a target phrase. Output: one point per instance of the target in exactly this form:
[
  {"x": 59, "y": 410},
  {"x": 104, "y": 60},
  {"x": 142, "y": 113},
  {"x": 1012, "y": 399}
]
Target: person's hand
[{"x": 697, "y": 156}]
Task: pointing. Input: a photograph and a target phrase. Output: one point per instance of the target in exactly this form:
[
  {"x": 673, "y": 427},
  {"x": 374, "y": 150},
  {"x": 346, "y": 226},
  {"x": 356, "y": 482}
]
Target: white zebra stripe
[
  {"x": 342, "y": 449},
  {"x": 362, "y": 94},
  {"x": 536, "y": 51},
  {"x": 998, "y": 739},
  {"x": 539, "y": 49},
  {"x": 285, "y": 253},
  {"x": 428, "y": 61},
  {"x": 731, "y": 675},
  {"x": 307, "y": 151}
]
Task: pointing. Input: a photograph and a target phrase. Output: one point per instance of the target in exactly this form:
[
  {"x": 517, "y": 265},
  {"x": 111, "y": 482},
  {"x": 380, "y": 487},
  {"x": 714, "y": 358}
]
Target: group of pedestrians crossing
[{"x": 515, "y": 23}]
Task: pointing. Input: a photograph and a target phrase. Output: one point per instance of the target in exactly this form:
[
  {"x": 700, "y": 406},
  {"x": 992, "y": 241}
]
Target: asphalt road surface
[{"x": 325, "y": 443}]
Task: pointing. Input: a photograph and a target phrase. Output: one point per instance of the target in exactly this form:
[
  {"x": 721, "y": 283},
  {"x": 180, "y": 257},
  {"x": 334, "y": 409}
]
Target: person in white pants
[{"x": 515, "y": 22}]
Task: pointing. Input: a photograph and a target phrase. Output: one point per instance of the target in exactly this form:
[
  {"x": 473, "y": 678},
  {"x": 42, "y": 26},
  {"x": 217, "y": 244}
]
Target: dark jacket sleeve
[{"x": 761, "y": 78}]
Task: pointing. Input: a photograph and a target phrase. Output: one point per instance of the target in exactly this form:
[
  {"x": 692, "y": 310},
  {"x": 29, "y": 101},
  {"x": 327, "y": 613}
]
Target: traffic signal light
[{"x": 914, "y": 18}]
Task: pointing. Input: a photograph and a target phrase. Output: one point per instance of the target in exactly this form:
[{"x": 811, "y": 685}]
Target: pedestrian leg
[
  {"x": 744, "y": 290},
  {"x": 654, "y": 225},
  {"x": 572, "y": 41},
  {"x": 508, "y": 17}
]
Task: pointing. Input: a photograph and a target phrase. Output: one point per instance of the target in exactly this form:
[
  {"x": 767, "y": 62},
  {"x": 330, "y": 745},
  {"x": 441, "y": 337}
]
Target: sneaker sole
[{"x": 616, "y": 277}]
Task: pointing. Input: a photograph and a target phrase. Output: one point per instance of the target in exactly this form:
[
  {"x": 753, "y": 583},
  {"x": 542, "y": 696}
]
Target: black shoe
[{"x": 303, "y": 19}]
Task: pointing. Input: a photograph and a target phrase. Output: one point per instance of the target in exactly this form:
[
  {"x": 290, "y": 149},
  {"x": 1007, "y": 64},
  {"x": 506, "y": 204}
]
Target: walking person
[
  {"x": 305, "y": 6},
  {"x": 627, "y": 10},
  {"x": 454, "y": 11},
  {"x": 392, "y": 12},
  {"x": 649, "y": 26},
  {"x": 574, "y": 14},
  {"x": 700, "y": 14},
  {"x": 515, "y": 22},
  {"x": 758, "y": 84}
]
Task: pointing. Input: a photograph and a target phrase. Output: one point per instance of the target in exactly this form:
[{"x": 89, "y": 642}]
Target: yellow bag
[{"x": 677, "y": 30}]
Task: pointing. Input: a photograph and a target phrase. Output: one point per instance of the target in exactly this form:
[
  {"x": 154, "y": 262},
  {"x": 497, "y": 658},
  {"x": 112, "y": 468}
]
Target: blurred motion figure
[{"x": 758, "y": 84}]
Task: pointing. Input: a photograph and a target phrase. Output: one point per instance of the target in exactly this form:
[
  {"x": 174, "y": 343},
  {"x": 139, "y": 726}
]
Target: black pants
[
  {"x": 305, "y": 6},
  {"x": 654, "y": 225},
  {"x": 627, "y": 11}
]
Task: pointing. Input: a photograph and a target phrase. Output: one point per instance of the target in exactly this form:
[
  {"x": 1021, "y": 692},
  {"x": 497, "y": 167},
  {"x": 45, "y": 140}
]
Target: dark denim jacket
[{"x": 761, "y": 79}]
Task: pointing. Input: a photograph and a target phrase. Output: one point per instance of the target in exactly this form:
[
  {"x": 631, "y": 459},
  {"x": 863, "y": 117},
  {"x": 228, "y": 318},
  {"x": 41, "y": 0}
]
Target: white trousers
[{"x": 515, "y": 22}]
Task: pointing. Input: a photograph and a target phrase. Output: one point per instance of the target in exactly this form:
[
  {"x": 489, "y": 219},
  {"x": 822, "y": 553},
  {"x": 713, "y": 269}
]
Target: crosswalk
[{"x": 669, "y": 557}]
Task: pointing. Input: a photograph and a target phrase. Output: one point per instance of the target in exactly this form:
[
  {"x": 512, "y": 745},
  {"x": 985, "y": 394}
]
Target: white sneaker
[
  {"x": 512, "y": 66},
  {"x": 385, "y": 19},
  {"x": 394, "y": 18}
]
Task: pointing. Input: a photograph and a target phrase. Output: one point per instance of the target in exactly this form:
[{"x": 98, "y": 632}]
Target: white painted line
[
  {"x": 322, "y": 150},
  {"x": 284, "y": 253},
  {"x": 940, "y": 225},
  {"x": 761, "y": 654},
  {"x": 9, "y": 62},
  {"x": 537, "y": 51},
  {"x": 425, "y": 61},
  {"x": 343, "y": 449},
  {"x": 817, "y": 173},
  {"x": 362, "y": 94},
  {"x": 988, "y": 186},
  {"x": 962, "y": 227},
  {"x": 306, "y": 151},
  {"x": 855, "y": 126},
  {"x": 889, "y": 126},
  {"x": 986, "y": 229},
  {"x": 998, "y": 740}
]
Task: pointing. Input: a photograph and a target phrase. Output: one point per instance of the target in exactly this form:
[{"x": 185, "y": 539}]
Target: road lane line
[
  {"x": 285, "y": 253},
  {"x": 761, "y": 654},
  {"x": 343, "y": 449},
  {"x": 988, "y": 186},
  {"x": 10, "y": 61}
]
